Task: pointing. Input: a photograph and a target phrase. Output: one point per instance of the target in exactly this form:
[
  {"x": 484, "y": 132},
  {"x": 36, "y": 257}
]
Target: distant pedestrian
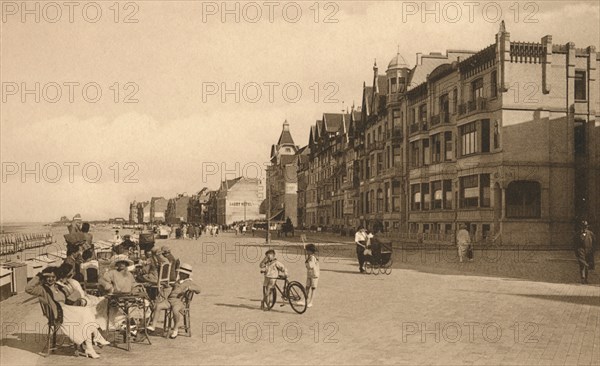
[
  {"x": 584, "y": 251},
  {"x": 361, "y": 238},
  {"x": 312, "y": 273},
  {"x": 463, "y": 241}
]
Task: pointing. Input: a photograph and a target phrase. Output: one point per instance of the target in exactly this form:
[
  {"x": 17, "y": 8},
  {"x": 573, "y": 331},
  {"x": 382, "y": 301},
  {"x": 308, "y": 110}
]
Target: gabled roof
[
  {"x": 311, "y": 136},
  {"x": 320, "y": 129},
  {"x": 332, "y": 121},
  {"x": 367, "y": 99}
]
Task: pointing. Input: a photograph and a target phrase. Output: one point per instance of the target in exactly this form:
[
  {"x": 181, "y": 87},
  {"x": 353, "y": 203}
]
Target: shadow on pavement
[
  {"x": 35, "y": 342},
  {"x": 581, "y": 300},
  {"x": 248, "y": 307},
  {"x": 338, "y": 271}
]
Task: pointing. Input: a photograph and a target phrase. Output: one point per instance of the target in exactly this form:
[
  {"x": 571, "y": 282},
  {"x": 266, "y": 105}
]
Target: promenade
[{"x": 509, "y": 307}]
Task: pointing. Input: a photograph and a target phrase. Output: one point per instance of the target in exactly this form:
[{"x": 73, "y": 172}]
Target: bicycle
[{"x": 293, "y": 292}]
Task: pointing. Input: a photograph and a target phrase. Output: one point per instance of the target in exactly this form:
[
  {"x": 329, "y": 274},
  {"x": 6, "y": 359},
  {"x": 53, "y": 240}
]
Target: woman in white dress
[{"x": 77, "y": 322}]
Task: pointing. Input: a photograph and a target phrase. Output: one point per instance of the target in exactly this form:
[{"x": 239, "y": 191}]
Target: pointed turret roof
[{"x": 286, "y": 137}]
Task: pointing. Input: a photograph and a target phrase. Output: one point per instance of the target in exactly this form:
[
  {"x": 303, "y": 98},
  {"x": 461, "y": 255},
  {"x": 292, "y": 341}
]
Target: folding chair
[{"x": 187, "y": 320}]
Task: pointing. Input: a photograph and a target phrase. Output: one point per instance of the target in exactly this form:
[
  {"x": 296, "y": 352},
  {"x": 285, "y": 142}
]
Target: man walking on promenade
[{"x": 584, "y": 251}]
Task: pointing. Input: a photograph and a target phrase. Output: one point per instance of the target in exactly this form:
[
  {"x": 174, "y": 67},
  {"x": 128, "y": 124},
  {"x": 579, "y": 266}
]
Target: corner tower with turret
[{"x": 282, "y": 179}]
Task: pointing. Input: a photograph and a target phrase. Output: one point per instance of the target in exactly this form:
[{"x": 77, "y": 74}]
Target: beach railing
[{"x": 17, "y": 242}]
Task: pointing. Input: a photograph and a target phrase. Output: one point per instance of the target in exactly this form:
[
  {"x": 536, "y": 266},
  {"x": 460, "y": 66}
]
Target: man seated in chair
[
  {"x": 175, "y": 299},
  {"x": 149, "y": 270}
]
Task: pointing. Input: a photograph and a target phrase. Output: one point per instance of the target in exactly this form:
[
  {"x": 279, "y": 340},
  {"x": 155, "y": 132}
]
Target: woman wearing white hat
[
  {"x": 175, "y": 299},
  {"x": 118, "y": 279}
]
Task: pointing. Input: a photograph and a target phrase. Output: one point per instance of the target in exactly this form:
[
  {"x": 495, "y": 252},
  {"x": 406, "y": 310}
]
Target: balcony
[
  {"x": 413, "y": 128},
  {"x": 478, "y": 105},
  {"x": 435, "y": 120}
]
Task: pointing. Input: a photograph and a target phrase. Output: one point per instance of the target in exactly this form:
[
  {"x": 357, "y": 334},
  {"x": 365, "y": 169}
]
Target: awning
[{"x": 278, "y": 216}]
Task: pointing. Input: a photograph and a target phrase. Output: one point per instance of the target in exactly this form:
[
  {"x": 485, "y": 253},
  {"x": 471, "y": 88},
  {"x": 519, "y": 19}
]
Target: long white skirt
[{"x": 79, "y": 323}]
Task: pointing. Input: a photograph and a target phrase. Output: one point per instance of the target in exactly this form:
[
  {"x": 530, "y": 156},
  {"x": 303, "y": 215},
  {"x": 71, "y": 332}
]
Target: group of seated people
[{"x": 75, "y": 310}]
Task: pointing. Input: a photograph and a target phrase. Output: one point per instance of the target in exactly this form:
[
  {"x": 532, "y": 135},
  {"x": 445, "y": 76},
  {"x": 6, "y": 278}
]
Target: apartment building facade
[{"x": 505, "y": 139}]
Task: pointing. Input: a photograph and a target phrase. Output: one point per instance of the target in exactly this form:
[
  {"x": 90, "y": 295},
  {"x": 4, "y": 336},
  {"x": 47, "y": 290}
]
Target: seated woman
[
  {"x": 74, "y": 321},
  {"x": 120, "y": 281},
  {"x": 78, "y": 297}
]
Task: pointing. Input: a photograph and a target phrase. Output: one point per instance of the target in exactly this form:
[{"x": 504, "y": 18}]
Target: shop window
[{"x": 523, "y": 199}]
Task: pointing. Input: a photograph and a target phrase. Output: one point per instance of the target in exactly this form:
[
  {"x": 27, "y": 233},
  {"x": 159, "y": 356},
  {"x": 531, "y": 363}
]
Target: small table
[{"x": 125, "y": 302}]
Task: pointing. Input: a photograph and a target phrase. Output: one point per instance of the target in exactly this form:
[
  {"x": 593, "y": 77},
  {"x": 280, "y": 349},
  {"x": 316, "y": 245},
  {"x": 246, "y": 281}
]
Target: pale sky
[{"x": 171, "y": 54}]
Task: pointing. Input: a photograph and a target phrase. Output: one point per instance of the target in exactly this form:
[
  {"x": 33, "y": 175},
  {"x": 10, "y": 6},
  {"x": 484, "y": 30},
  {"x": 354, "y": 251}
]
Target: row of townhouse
[
  {"x": 506, "y": 139},
  {"x": 180, "y": 209}
]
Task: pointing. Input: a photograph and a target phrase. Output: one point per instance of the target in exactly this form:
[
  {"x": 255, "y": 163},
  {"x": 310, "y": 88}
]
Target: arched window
[{"x": 523, "y": 199}]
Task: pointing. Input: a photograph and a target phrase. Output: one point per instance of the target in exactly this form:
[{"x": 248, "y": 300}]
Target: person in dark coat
[
  {"x": 74, "y": 258},
  {"x": 584, "y": 251}
]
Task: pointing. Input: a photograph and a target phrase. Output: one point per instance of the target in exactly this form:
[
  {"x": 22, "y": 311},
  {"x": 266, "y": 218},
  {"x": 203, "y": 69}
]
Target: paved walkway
[{"x": 520, "y": 308}]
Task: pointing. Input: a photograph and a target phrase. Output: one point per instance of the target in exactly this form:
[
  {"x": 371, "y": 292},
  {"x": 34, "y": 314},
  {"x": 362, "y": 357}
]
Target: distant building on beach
[
  {"x": 177, "y": 209},
  {"x": 133, "y": 213},
  {"x": 198, "y": 206},
  {"x": 143, "y": 211},
  {"x": 239, "y": 199},
  {"x": 158, "y": 208}
]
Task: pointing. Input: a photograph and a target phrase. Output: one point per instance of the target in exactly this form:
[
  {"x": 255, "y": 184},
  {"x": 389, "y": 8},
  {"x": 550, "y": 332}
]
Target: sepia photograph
[{"x": 351, "y": 182}]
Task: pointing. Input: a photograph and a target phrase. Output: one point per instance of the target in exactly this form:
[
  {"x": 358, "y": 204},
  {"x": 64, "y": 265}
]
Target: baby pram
[{"x": 379, "y": 260}]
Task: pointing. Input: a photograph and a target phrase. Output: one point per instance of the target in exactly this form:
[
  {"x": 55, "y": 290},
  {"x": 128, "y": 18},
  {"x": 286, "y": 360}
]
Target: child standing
[
  {"x": 312, "y": 272},
  {"x": 271, "y": 268}
]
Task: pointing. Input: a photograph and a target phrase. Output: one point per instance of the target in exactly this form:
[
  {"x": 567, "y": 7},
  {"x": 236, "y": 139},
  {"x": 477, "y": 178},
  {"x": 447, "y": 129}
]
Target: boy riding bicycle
[{"x": 272, "y": 269}]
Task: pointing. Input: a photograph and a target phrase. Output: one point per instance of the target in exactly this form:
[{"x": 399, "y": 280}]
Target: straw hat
[
  {"x": 121, "y": 258},
  {"x": 185, "y": 268}
]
